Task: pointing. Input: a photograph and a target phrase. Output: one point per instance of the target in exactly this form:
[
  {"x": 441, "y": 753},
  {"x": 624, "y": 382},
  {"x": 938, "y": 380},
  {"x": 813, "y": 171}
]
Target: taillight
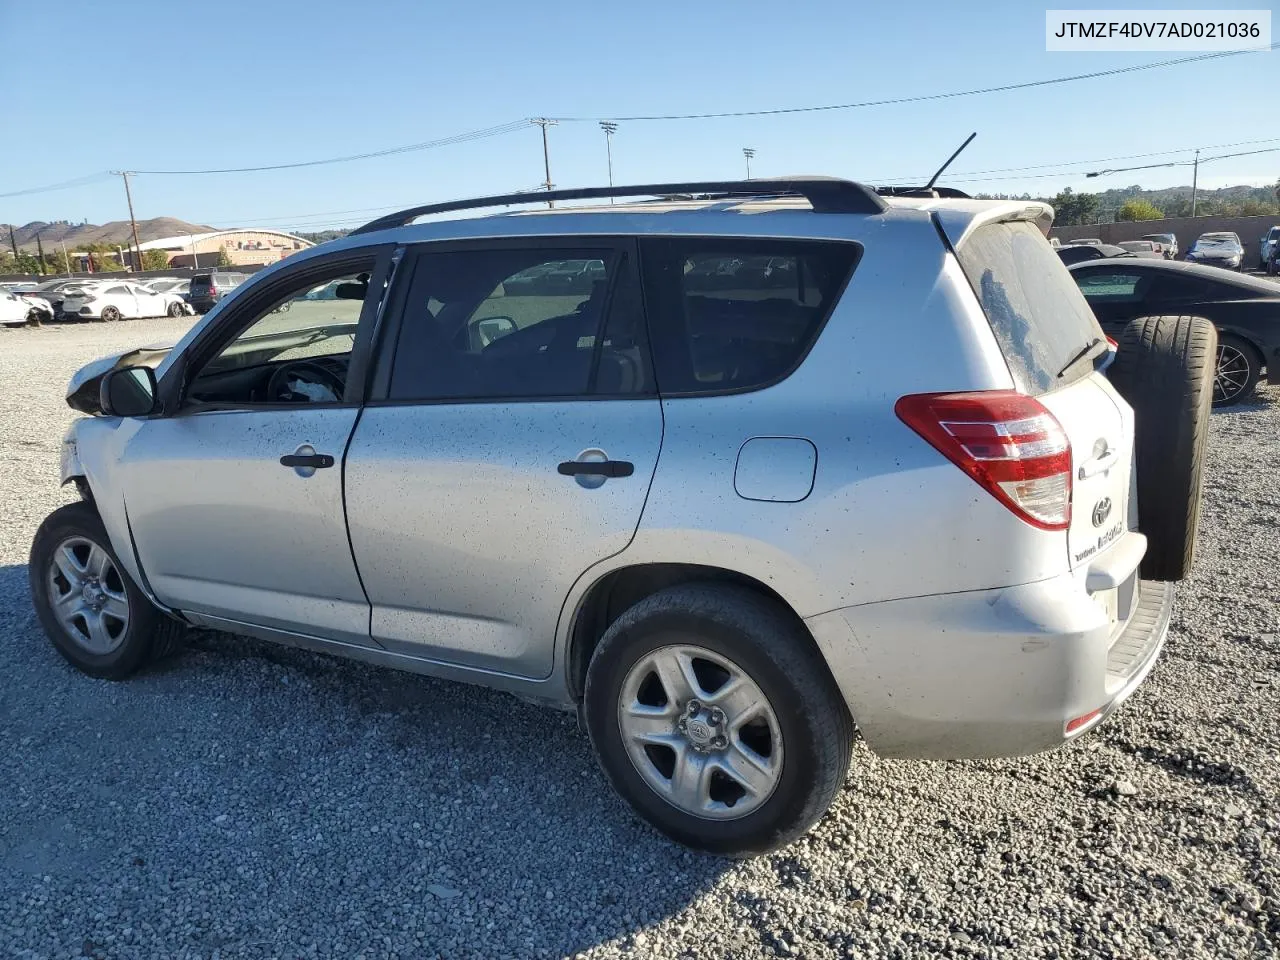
[
  {"x": 213, "y": 291},
  {"x": 1006, "y": 441}
]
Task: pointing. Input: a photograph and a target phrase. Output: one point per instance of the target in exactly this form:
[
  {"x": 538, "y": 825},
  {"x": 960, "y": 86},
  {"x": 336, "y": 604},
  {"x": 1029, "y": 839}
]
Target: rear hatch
[
  {"x": 1056, "y": 351},
  {"x": 201, "y": 286}
]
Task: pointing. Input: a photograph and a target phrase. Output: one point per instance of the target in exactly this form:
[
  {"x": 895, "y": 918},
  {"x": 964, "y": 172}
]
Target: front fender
[{"x": 92, "y": 453}]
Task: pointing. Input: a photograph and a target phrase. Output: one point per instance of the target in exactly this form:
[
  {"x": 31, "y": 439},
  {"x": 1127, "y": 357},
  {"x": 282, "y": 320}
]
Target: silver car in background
[{"x": 661, "y": 463}]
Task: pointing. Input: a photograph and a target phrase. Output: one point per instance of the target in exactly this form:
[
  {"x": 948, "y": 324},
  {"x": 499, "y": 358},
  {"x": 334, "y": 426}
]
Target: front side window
[
  {"x": 1109, "y": 286},
  {"x": 731, "y": 314},
  {"x": 521, "y": 324},
  {"x": 295, "y": 350}
]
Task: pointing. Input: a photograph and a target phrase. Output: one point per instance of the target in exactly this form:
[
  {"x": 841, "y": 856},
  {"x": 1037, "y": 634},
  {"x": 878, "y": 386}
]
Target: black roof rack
[
  {"x": 826, "y": 194},
  {"x": 950, "y": 193}
]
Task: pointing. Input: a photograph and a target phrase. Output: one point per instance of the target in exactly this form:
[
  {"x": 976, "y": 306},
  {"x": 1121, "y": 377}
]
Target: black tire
[
  {"x": 34, "y": 318},
  {"x": 110, "y": 314},
  {"x": 1164, "y": 368},
  {"x": 1237, "y": 370},
  {"x": 149, "y": 634},
  {"x": 773, "y": 649},
  {"x": 175, "y": 310}
]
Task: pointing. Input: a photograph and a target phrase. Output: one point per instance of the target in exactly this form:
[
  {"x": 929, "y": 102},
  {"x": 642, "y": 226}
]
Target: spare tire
[{"x": 1164, "y": 368}]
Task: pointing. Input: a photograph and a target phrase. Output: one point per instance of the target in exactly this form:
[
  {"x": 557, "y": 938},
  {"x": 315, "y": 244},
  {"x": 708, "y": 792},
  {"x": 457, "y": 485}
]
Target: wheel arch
[{"x": 616, "y": 590}]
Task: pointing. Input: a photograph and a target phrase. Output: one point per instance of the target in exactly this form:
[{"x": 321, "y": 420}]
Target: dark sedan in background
[
  {"x": 1246, "y": 311},
  {"x": 1080, "y": 252}
]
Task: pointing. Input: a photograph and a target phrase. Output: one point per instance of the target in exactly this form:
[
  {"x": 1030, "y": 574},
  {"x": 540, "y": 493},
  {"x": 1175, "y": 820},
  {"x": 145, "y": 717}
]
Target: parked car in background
[
  {"x": 1085, "y": 242},
  {"x": 56, "y": 291},
  {"x": 178, "y": 285},
  {"x": 1142, "y": 248},
  {"x": 1079, "y": 252},
  {"x": 121, "y": 301},
  {"x": 208, "y": 288},
  {"x": 1217, "y": 250},
  {"x": 1168, "y": 243},
  {"x": 1268, "y": 242},
  {"x": 707, "y": 534},
  {"x": 15, "y": 309},
  {"x": 1246, "y": 311},
  {"x": 19, "y": 286}
]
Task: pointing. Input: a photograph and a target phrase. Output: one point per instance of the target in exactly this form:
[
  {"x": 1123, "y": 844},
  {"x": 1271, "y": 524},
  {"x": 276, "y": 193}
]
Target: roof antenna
[{"x": 959, "y": 150}]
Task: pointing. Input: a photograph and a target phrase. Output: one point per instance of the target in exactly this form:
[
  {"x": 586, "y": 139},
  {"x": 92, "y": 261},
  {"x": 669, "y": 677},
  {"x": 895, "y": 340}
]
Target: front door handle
[
  {"x": 317, "y": 460},
  {"x": 305, "y": 461},
  {"x": 597, "y": 468}
]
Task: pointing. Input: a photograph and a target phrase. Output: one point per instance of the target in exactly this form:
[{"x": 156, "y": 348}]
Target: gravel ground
[{"x": 250, "y": 801}]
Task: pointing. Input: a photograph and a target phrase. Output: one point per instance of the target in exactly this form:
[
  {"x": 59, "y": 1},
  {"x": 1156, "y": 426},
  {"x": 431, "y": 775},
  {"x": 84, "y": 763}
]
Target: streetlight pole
[
  {"x": 609, "y": 128},
  {"x": 543, "y": 122},
  {"x": 1195, "y": 182},
  {"x": 748, "y": 152}
]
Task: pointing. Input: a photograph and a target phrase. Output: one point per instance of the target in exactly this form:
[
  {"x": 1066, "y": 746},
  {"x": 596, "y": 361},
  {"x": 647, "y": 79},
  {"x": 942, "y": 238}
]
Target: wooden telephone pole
[{"x": 137, "y": 247}]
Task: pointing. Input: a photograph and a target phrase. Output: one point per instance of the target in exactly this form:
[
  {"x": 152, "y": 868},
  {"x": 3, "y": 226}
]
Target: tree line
[{"x": 102, "y": 258}]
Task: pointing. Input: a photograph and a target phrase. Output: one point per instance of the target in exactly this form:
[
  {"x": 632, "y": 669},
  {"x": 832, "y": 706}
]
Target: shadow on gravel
[{"x": 327, "y": 801}]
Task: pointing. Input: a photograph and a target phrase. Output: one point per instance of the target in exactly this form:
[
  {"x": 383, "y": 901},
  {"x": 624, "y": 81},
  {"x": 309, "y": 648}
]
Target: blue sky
[{"x": 175, "y": 86}]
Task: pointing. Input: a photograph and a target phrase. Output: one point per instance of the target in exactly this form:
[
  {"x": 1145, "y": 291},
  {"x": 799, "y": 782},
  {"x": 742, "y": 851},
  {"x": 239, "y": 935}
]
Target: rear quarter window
[
  {"x": 1036, "y": 311},
  {"x": 730, "y": 315}
]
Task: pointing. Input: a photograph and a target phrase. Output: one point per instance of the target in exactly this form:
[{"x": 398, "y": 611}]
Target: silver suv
[{"x": 728, "y": 472}]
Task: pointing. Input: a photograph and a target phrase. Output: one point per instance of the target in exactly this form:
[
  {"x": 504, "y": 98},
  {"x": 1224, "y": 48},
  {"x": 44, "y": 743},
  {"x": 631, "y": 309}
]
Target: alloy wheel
[
  {"x": 87, "y": 595},
  {"x": 1231, "y": 375},
  {"x": 700, "y": 732}
]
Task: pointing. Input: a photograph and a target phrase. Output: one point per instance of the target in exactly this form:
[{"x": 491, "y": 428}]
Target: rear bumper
[{"x": 993, "y": 673}]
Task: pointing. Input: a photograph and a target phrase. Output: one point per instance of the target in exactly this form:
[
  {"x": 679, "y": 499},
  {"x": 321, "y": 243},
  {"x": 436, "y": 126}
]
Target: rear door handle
[
  {"x": 1099, "y": 464},
  {"x": 597, "y": 468}
]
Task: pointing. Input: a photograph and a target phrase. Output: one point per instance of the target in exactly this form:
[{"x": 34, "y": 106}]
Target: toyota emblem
[{"x": 1101, "y": 510}]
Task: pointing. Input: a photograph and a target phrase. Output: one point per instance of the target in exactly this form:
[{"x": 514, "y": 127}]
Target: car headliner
[{"x": 1263, "y": 288}]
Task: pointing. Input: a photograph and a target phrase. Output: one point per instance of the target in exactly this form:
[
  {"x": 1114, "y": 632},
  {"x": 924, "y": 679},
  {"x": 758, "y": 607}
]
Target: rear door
[
  {"x": 508, "y": 447},
  {"x": 1054, "y": 347}
]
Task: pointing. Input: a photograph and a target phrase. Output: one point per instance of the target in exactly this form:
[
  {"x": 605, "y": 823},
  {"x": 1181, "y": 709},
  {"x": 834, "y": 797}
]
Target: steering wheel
[{"x": 278, "y": 385}]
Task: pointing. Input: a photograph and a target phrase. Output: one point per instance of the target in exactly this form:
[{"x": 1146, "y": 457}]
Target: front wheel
[
  {"x": 714, "y": 716},
  {"x": 90, "y": 608},
  {"x": 176, "y": 310}
]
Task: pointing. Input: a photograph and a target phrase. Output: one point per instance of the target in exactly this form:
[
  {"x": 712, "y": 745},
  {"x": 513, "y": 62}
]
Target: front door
[
  {"x": 511, "y": 449},
  {"x": 235, "y": 499}
]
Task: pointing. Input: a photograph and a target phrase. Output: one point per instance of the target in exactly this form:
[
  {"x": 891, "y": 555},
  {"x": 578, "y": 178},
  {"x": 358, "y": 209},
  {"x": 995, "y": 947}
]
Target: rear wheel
[
  {"x": 1237, "y": 371},
  {"x": 90, "y": 608},
  {"x": 713, "y": 715},
  {"x": 110, "y": 314},
  {"x": 1164, "y": 368}
]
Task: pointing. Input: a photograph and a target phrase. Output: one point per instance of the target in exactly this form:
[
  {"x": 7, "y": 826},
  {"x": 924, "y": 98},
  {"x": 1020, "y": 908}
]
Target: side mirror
[
  {"x": 494, "y": 328},
  {"x": 128, "y": 392}
]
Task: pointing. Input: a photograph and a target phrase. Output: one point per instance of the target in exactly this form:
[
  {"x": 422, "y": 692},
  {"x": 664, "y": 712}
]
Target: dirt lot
[{"x": 249, "y": 801}]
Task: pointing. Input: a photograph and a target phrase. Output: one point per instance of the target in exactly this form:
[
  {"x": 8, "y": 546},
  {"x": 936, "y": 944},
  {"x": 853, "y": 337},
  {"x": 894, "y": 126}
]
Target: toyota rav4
[{"x": 733, "y": 472}]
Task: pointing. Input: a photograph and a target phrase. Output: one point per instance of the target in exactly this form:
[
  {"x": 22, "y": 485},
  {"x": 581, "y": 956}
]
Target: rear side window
[
  {"x": 1036, "y": 311},
  {"x": 522, "y": 324},
  {"x": 728, "y": 315}
]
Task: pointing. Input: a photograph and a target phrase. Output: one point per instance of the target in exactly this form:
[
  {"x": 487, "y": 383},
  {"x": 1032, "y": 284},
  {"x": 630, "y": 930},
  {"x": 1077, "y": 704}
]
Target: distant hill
[
  {"x": 1174, "y": 201},
  {"x": 115, "y": 232}
]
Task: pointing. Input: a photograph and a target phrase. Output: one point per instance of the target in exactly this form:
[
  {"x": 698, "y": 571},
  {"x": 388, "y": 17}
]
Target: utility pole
[
  {"x": 137, "y": 265},
  {"x": 12, "y": 242},
  {"x": 748, "y": 152},
  {"x": 609, "y": 128},
  {"x": 40, "y": 252},
  {"x": 66, "y": 261},
  {"x": 1195, "y": 180},
  {"x": 543, "y": 122}
]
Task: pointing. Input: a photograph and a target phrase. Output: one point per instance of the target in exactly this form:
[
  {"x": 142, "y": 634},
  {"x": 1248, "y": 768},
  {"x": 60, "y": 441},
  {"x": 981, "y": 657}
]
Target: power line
[
  {"x": 1070, "y": 163},
  {"x": 64, "y": 185},
  {"x": 924, "y": 97},
  {"x": 495, "y": 131}
]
